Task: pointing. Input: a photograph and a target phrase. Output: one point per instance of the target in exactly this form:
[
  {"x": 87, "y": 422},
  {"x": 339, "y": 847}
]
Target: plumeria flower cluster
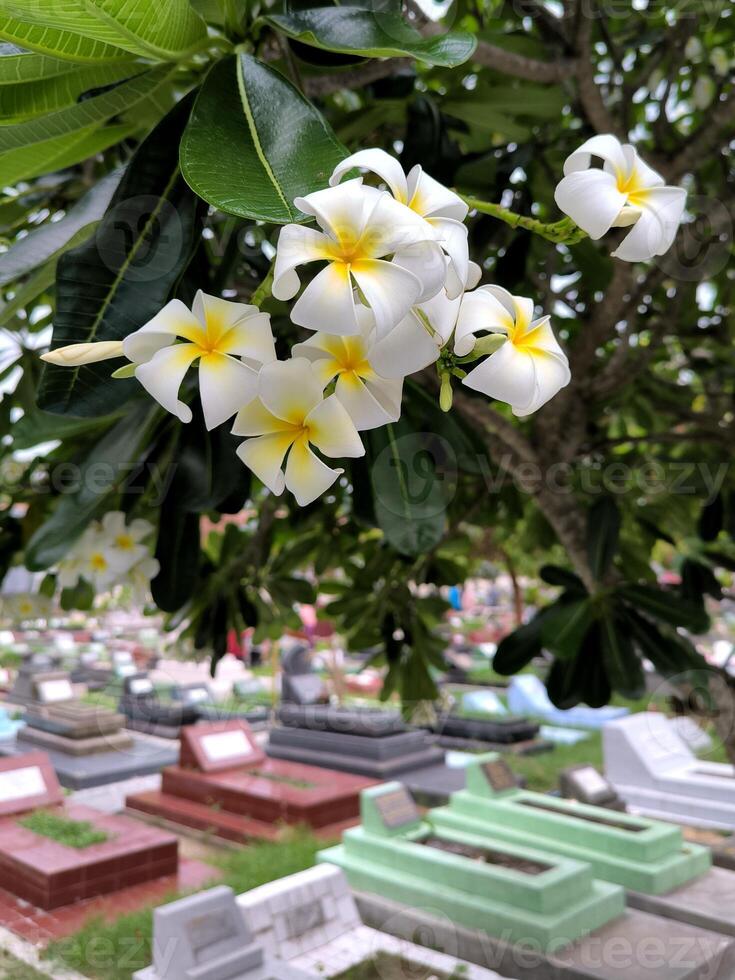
[
  {"x": 110, "y": 552},
  {"x": 390, "y": 290}
]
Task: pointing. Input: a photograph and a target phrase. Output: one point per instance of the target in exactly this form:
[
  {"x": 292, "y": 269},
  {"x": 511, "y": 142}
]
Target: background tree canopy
[{"x": 148, "y": 149}]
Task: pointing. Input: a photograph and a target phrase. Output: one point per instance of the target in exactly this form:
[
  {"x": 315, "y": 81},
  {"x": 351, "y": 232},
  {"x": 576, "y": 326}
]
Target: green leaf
[
  {"x": 669, "y": 652},
  {"x": 101, "y": 475},
  {"x": 521, "y": 646},
  {"x": 17, "y": 65},
  {"x": 58, "y": 153},
  {"x": 139, "y": 26},
  {"x": 80, "y": 597},
  {"x": 384, "y": 34},
  {"x": 603, "y": 531},
  {"x": 621, "y": 662},
  {"x": 60, "y": 44},
  {"x": 29, "y": 99},
  {"x": 564, "y": 628},
  {"x": 712, "y": 519},
  {"x": 485, "y": 119},
  {"x": 233, "y": 153},
  {"x": 554, "y": 575},
  {"x": 178, "y": 550},
  {"x": 90, "y": 112},
  {"x": 409, "y": 502},
  {"x": 669, "y": 607},
  {"x": 46, "y": 242},
  {"x": 38, "y": 427},
  {"x": 38, "y": 283},
  {"x": 122, "y": 277}
]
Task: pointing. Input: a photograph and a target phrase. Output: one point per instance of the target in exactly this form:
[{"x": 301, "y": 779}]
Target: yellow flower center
[
  {"x": 125, "y": 541},
  {"x": 98, "y": 562}
]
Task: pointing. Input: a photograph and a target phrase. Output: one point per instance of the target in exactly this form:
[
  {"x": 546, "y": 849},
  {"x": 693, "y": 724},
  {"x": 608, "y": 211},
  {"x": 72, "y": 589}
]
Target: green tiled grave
[
  {"x": 640, "y": 854},
  {"x": 478, "y": 880}
]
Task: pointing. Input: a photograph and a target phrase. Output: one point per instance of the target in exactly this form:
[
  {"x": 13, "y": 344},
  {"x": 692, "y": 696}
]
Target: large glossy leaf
[
  {"x": 18, "y": 65},
  {"x": 603, "y": 531},
  {"x": 122, "y": 277},
  {"x": 102, "y": 475},
  {"x": 27, "y": 100},
  {"x": 669, "y": 652},
  {"x": 408, "y": 498},
  {"x": 62, "y": 151},
  {"x": 376, "y": 34},
  {"x": 45, "y": 242},
  {"x": 669, "y": 607},
  {"x": 50, "y": 40},
  {"x": 38, "y": 427},
  {"x": 90, "y": 112},
  {"x": 234, "y": 153},
  {"x": 143, "y": 27},
  {"x": 621, "y": 662},
  {"x": 564, "y": 628}
]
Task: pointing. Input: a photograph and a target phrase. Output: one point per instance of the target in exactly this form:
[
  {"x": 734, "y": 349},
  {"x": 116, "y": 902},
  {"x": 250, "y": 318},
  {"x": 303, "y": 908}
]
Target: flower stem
[
  {"x": 565, "y": 231},
  {"x": 264, "y": 289}
]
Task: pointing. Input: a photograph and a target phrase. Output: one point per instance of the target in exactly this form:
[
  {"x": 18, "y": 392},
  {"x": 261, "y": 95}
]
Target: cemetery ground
[{"x": 112, "y": 950}]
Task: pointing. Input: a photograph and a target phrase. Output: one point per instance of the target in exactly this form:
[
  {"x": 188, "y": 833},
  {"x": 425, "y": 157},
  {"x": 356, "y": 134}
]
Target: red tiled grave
[
  {"x": 225, "y": 784},
  {"x": 48, "y": 874},
  {"x": 40, "y": 926}
]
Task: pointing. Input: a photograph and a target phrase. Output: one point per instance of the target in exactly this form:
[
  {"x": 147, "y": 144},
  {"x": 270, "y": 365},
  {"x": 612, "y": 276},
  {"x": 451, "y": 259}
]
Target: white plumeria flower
[
  {"x": 444, "y": 210},
  {"x": 230, "y": 340},
  {"x": 529, "y": 368},
  {"x": 290, "y": 415},
  {"x": 92, "y": 559},
  {"x": 125, "y": 539},
  {"x": 368, "y": 240},
  {"x": 625, "y": 191},
  {"x": 140, "y": 576},
  {"x": 369, "y": 372}
]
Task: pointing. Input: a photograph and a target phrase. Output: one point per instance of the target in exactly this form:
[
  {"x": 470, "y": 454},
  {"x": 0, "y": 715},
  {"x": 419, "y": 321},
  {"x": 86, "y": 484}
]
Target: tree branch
[{"x": 590, "y": 96}]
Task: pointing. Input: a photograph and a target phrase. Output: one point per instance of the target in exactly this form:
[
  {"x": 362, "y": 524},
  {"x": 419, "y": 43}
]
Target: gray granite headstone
[
  {"x": 204, "y": 937},
  {"x": 585, "y": 784}
]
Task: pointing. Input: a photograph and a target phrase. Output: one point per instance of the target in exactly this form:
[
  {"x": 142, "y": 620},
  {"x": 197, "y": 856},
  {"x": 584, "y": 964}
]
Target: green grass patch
[
  {"x": 12, "y": 968},
  {"x": 387, "y": 966},
  {"x": 113, "y": 951},
  {"x": 71, "y": 833}
]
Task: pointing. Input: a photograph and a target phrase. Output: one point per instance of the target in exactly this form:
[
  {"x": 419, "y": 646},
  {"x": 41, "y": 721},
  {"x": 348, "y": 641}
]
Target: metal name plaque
[
  {"x": 57, "y": 690},
  {"x": 499, "y": 775},
  {"x": 396, "y": 808}
]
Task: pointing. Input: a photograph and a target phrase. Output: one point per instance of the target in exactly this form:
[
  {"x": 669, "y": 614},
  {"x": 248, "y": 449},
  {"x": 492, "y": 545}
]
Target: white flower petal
[
  {"x": 264, "y": 456},
  {"x": 404, "y": 350},
  {"x": 296, "y": 246},
  {"x": 389, "y": 289},
  {"x": 219, "y": 315},
  {"x": 441, "y": 312},
  {"x": 365, "y": 410},
  {"x": 379, "y": 162},
  {"x": 426, "y": 261},
  {"x": 605, "y": 146},
  {"x": 452, "y": 236},
  {"x": 393, "y": 227},
  {"x": 250, "y": 338},
  {"x": 431, "y": 199},
  {"x": 344, "y": 210},
  {"x": 591, "y": 199},
  {"x": 508, "y": 375},
  {"x": 162, "y": 376},
  {"x": 552, "y": 374},
  {"x": 254, "y": 419},
  {"x": 486, "y": 309},
  {"x": 332, "y": 430},
  {"x": 654, "y": 232},
  {"x": 174, "y": 320},
  {"x": 307, "y": 477},
  {"x": 225, "y": 385},
  {"x": 327, "y": 303},
  {"x": 289, "y": 389},
  {"x": 474, "y": 275}
]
